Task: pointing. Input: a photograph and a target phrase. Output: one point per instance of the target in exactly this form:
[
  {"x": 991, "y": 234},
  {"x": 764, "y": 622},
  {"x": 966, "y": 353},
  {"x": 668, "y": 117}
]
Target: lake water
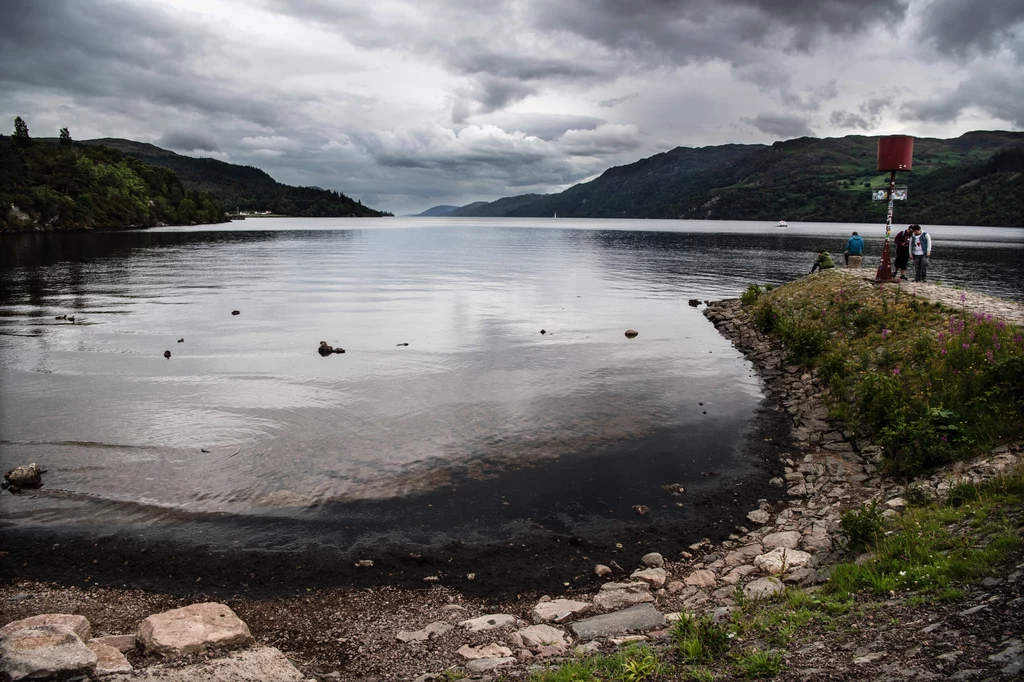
[{"x": 246, "y": 419}]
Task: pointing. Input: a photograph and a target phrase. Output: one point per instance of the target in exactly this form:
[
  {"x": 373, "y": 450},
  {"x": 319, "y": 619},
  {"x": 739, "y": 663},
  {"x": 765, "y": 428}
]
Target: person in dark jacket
[
  {"x": 824, "y": 261},
  {"x": 902, "y": 242},
  {"x": 854, "y": 247}
]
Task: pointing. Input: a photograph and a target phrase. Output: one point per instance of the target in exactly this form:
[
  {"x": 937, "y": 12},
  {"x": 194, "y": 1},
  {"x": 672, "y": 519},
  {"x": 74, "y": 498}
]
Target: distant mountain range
[
  {"x": 975, "y": 179},
  {"x": 445, "y": 209},
  {"x": 242, "y": 187}
]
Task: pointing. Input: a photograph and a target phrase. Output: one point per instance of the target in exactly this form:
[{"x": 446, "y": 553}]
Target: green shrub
[
  {"x": 926, "y": 442},
  {"x": 766, "y": 317},
  {"x": 861, "y": 526},
  {"x": 699, "y": 640},
  {"x": 760, "y": 664},
  {"x": 880, "y": 399},
  {"x": 961, "y": 494},
  {"x": 751, "y": 294}
]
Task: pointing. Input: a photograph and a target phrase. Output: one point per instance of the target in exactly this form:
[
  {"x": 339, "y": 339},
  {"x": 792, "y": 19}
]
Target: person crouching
[{"x": 824, "y": 261}]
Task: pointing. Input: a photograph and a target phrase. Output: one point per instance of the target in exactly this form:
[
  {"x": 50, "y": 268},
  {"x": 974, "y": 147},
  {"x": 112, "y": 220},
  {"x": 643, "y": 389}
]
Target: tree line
[{"x": 75, "y": 186}]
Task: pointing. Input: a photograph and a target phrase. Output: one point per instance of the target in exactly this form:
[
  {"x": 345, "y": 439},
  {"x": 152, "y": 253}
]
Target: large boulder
[
  {"x": 637, "y": 618},
  {"x": 79, "y": 625},
  {"x": 655, "y": 577},
  {"x": 789, "y": 539},
  {"x": 557, "y": 610},
  {"x": 781, "y": 560},
  {"x": 701, "y": 578},
  {"x": 27, "y": 476},
  {"x": 762, "y": 588},
  {"x": 615, "y": 596},
  {"x": 44, "y": 652},
  {"x": 192, "y": 629}
]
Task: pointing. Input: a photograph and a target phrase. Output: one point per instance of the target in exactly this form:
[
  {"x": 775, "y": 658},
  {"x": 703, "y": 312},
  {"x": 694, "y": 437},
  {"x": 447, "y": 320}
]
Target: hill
[
  {"x": 975, "y": 179},
  {"x": 70, "y": 186},
  {"x": 445, "y": 210},
  {"x": 243, "y": 187}
]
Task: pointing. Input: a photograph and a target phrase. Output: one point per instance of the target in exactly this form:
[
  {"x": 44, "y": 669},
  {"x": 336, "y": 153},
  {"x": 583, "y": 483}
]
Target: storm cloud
[{"x": 450, "y": 101}]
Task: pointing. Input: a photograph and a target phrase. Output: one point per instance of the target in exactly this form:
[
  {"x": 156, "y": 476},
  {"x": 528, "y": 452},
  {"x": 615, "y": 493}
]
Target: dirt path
[{"x": 962, "y": 299}]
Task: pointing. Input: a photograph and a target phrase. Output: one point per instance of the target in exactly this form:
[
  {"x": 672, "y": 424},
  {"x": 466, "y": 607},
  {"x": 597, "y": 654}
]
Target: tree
[
  {"x": 65, "y": 137},
  {"x": 21, "y": 137}
]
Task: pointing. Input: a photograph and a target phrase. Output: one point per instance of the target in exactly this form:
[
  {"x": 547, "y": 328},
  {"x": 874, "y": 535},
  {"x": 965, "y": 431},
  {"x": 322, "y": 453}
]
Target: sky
[{"x": 406, "y": 104}]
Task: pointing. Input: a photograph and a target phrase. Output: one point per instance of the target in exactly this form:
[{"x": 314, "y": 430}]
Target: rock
[
  {"x": 776, "y": 482},
  {"x": 701, "y": 578},
  {"x": 759, "y": 516},
  {"x": 557, "y": 611},
  {"x": 236, "y": 312},
  {"x": 27, "y": 476},
  {"x": 193, "y": 629},
  {"x": 472, "y": 653},
  {"x": 266, "y": 664},
  {"x": 723, "y": 614},
  {"x": 614, "y": 596},
  {"x": 78, "y": 625},
  {"x": 602, "y": 571},
  {"x": 537, "y": 636},
  {"x": 789, "y": 539},
  {"x": 167, "y": 354},
  {"x": 432, "y": 630},
  {"x": 489, "y": 622},
  {"x": 325, "y": 349},
  {"x": 632, "y": 333},
  {"x": 641, "y": 509},
  {"x": 122, "y": 643},
  {"x": 401, "y": 344},
  {"x": 694, "y": 302},
  {"x": 869, "y": 658},
  {"x": 182, "y": 340},
  {"x": 588, "y": 648},
  {"x": 675, "y": 587},
  {"x": 655, "y": 577},
  {"x": 653, "y": 560},
  {"x": 364, "y": 563},
  {"x": 781, "y": 559},
  {"x": 743, "y": 555},
  {"x": 640, "y": 617},
  {"x": 108, "y": 659},
  {"x": 896, "y": 503},
  {"x": 44, "y": 652},
  {"x": 737, "y": 574},
  {"x": 763, "y": 588},
  {"x": 481, "y": 665}
]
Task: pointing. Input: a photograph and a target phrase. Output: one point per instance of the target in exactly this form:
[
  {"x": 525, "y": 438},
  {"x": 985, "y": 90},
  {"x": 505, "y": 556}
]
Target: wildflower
[
  {"x": 966, "y": 346},
  {"x": 944, "y": 351},
  {"x": 903, "y": 572},
  {"x": 990, "y": 357},
  {"x": 942, "y": 438},
  {"x": 963, "y": 297},
  {"x": 942, "y": 336},
  {"x": 885, "y": 333},
  {"x": 1001, "y": 325},
  {"x": 895, "y": 371}
]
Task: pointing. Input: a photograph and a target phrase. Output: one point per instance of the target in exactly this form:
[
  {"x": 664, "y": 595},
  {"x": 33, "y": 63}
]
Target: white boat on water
[{"x": 782, "y": 223}]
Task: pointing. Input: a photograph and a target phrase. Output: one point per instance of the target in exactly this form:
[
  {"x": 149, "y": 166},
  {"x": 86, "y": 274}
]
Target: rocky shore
[{"x": 789, "y": 545}]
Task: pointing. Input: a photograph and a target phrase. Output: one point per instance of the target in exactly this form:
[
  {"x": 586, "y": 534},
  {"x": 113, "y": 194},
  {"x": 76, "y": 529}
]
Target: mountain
[
  {"x": 242, "y": 187},
  {"x": 445, "y": 209},
  {"x": 975, "y": 179},
  {"x": 69, "y": 186}
]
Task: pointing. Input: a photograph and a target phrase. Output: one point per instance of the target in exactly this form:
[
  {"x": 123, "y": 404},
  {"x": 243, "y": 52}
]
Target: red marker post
[{"x": 895, "y": 153}]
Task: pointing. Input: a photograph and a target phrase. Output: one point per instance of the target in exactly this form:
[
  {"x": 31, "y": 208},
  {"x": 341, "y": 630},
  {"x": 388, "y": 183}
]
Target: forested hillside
[
  {"x": 244, "y": 187},
  {"x": 975, "y": 179},
  {"x": 72, "y": 186}
]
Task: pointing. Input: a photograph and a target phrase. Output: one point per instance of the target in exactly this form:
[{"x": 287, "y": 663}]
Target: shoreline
[{"x": 827, "y": 470}]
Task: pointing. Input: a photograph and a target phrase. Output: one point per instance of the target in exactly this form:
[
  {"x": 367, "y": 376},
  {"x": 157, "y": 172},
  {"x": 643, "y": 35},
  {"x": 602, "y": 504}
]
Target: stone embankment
[{"x": 792, "y": 540}]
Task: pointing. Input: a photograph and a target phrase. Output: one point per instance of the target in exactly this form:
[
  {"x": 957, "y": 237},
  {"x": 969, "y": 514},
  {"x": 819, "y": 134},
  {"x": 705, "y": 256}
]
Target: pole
[{"x": 884, "y": 273}]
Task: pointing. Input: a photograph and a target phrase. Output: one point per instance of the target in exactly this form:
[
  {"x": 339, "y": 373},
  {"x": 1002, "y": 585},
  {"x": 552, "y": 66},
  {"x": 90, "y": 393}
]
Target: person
[
  {"x": 902, "y": 242},
  {"x": 921, "y": 251},
  {"x": 824, "y": 261},
  {"x": 854, "y": 247}
]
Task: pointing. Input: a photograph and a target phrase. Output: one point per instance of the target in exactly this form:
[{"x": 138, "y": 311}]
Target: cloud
[
  {"x": 993, "y": 92},
  {"x": 958, "y": 27},
  {"x": 784, "y": 126},
  {"x": 615, "y": 101},
  {"x": 188, "y": 141},
  {"x": 846, "y": 119}
]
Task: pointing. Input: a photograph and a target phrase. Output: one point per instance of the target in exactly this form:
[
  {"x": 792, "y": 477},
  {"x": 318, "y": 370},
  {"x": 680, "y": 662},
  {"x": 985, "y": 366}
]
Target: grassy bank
[
  {"x": 930, "y": 384},
  {"x": 921, "y": 560}
]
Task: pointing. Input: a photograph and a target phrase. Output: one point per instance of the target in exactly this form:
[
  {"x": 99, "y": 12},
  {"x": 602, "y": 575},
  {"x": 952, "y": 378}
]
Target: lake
[{"x": 481, "y": 429}]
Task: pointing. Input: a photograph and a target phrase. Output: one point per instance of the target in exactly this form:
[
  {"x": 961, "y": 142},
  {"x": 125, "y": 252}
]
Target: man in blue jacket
[{"x": 854, "y": 247}]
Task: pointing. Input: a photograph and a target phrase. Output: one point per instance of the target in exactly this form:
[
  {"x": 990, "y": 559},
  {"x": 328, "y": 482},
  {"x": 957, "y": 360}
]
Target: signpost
[{"x": 895, "y": 153}]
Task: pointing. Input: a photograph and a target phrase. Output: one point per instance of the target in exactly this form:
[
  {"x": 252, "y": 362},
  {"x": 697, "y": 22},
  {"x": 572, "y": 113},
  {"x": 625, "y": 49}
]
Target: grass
[
  {"x": 759, "y": 664},
  {"x": 933, "y": 385},
  {"x": 935, "y": 547}
]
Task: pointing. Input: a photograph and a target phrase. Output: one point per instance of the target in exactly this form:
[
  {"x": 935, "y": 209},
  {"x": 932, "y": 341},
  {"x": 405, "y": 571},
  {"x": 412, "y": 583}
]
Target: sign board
[{"x": 898, "y": 194}]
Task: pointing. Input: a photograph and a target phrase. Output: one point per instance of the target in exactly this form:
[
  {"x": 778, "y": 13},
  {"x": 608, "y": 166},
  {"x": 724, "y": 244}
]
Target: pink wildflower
[
  {"x": 966, "y": 346},
  {"x": 990, "y": 357},
  {"x": 895, "y": 371}
]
